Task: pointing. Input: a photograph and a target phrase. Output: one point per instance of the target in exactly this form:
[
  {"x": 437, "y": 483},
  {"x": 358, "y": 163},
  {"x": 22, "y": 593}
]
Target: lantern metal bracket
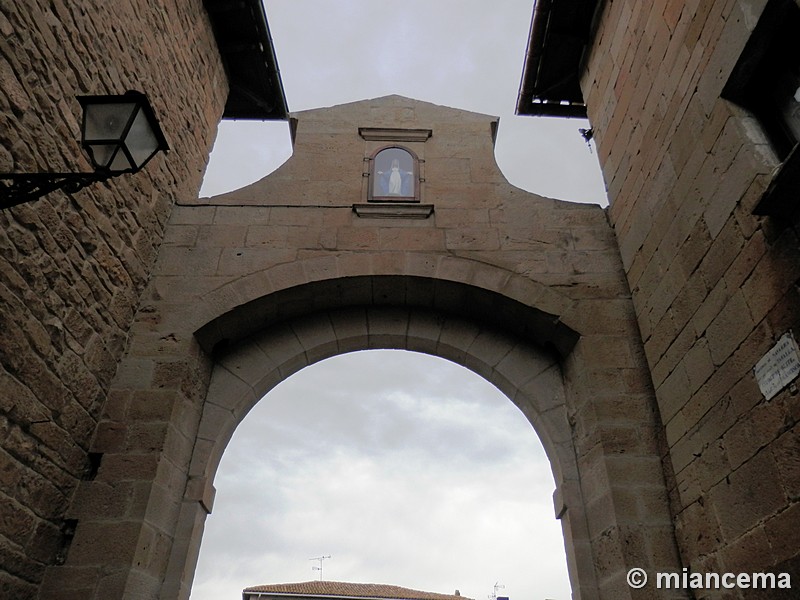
[
  {"x": 18, "y": 188},
  {"x": 120, "y": 134}
]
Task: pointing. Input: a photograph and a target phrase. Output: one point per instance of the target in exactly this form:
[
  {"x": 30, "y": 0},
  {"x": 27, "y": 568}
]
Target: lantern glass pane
[
  {"x": 141, "y": 142},
  {"x": 102, "y": 154},
  {"x": 104, "y": 122},
  {"x": 121, "y": 162}
]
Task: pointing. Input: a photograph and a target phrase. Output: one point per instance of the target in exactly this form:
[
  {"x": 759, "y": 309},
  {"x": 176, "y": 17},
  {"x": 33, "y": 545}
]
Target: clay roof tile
[{"x": 350, "y": 590}]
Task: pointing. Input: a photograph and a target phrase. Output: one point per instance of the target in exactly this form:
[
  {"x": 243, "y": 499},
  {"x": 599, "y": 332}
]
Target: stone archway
[
  {"x": 529, "y": 373},
  {"x": 539, "y": 362},
  {"x": 530, "y": 355},
  {"x": 521, "y": 369},
  {"x": 250, "y": 287}
]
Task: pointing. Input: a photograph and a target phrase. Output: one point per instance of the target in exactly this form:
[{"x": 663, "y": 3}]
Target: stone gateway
[{"x": 140, "y": 323}]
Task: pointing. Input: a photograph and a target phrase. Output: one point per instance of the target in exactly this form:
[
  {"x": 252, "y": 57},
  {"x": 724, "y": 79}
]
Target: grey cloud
[{"x": 410, "y": 514}]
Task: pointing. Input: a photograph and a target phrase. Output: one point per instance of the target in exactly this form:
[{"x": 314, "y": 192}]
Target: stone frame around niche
[{"x": 383, "y": 146}]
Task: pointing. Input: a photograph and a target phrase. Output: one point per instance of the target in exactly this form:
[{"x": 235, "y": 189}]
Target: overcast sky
[
  {"x": 405, "y": 469},
  {"x": 465, "y": 54}
]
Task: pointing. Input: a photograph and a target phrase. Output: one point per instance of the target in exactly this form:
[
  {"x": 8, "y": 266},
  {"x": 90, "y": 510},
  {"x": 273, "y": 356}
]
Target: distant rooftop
[{"x": 336, "y": 589}]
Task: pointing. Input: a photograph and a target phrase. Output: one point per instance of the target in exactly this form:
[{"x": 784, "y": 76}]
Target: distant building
[{"x": 336, "y": 590}]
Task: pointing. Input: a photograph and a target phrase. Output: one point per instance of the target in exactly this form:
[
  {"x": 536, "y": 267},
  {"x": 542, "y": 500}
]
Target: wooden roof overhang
[
  {"x": 245, "y": 44},
  {"x": 560, "y": 32}
]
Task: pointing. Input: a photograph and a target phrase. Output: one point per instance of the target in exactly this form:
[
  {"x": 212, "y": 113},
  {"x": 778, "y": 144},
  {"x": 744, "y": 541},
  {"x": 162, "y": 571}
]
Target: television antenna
[
  {"x": 497, "y": 586},
  {"x": 319, "y": 568}
]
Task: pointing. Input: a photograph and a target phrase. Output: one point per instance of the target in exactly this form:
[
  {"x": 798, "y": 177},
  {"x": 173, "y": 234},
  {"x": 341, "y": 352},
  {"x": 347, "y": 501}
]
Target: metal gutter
[
  {"x": 248, "y": 54},
  {"x": 559, "y": 35}
]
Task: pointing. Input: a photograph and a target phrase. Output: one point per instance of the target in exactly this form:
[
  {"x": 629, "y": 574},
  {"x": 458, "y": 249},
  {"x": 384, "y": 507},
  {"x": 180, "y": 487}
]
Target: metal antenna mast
[
  {"x": 497, "y": 586},
  {"x": 319, "y": 568}
]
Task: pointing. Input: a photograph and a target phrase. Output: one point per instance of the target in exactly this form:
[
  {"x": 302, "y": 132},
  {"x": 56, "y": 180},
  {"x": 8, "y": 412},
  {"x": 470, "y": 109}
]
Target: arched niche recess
[{"x": 394, "y": 175}]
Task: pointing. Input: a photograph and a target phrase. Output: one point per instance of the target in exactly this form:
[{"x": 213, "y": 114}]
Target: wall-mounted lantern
[{"x": 119, "y": 133}]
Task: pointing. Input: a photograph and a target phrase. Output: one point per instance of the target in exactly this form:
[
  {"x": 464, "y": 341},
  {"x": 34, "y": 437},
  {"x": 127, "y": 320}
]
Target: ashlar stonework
[{"x": 251, "y": 286}]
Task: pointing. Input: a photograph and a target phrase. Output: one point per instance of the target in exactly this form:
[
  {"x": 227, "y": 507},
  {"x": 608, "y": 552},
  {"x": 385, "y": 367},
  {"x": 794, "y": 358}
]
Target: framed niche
[
  {"x": 394, "y": 163},
  {"x": 394, "y": 175}
]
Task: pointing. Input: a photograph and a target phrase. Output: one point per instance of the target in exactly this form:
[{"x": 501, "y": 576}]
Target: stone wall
[
  {"x": 713, "y": 288},
  {"x": 72, "y": 268},
  {"x": 251, "y": 286},
  {"x": 713, "y": 285}
]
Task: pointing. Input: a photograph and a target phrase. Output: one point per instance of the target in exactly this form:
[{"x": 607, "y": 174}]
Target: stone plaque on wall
[{"x": 778, "y": 367}]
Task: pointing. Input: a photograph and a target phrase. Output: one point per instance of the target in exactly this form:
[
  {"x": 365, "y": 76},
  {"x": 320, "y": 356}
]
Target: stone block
[
  {"x": 70, "y": 583},
  {"x": 286, "y": 275},
  {"x": 782, "y": 529},
  {"x": 227, "y": 390},
  {"x": 387, "y": 328},
  {"x": 350, "y": 328},
  {"x": 175, "y": 260},
  {"x": 127, "y": 467},
  {"x": 455, "y": 269},
  {"x": 247, "y": 362},
  {"x": 317, "y": 336},
  {"x": 361, "y": 238},
  {"x": 716, "y": 300},
  {"x": 320, "y": 268},
  {"x": 146, "y": 437},
  {"x": 729, "y": 328},
  {"x": 242, "y": 215},
  {"x": 200, "y": 490},
  {"x": 697, "y": 530},
  {"x": 786, "y": 452},
  {"x": 235, "y": 262},
  {"x": 110, "y": 436},
  {"x": 108, "y": 544},
  {"x": 456, "y": 337},
  {"x": 772, "y": 276},
  {"x": 192, "y": 215},
  {"x": 472, "y": 239},
  {"x": 223, "y": 236},
  {"x": 423, "y": 332},
  {"x": 98, "y": 499},
  {"x": 747, "y": 496},
  {"x": 181, "y": 235},
  {"x": 525, "y": 364},
  {"x": 266, "y": 236},
  {"x": 427, "y": 239}
]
